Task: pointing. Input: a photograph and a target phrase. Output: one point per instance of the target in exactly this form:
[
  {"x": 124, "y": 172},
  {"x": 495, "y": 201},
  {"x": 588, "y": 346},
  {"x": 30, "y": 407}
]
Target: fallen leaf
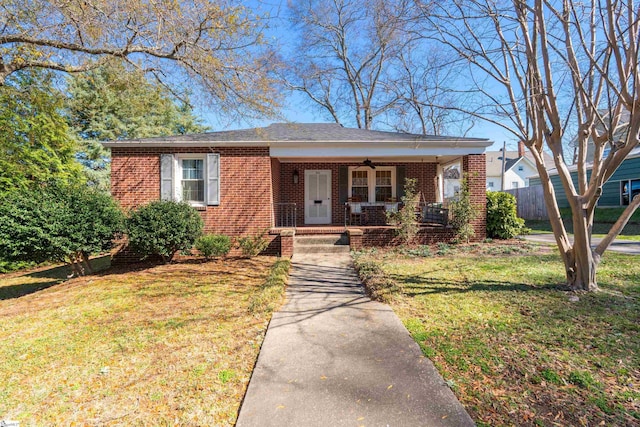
[{"x": 389, "y": 388}]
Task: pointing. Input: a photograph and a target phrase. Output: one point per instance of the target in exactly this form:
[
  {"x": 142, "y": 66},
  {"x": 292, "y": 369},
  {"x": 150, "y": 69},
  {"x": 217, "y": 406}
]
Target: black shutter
[
  {"x": 401, "y": 173},
  {"x": 343, "y": 184}
]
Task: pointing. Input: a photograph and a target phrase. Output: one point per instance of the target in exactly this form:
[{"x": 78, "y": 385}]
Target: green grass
[
  {"x": 605, "y": 215},
  {"x": 630, "y": 232},
  {"x": 9, "y": 266},
  {"x": 515, "y": 350},
  {"x": 269, "y": 296},
  {"x": 164, "y": 345},
  {"x": 603, "y": 219}
]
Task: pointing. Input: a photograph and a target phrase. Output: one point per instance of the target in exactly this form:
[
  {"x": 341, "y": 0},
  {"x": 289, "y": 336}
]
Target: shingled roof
[{"x": 296, "y": 132}]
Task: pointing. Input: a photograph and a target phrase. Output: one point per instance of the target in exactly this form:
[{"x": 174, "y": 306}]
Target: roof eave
[{"x": 462, "y": 143}]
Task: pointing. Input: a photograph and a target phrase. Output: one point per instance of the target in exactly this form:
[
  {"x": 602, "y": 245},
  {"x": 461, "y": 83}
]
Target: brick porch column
[
  {"x": 474, "y": 167},
  {"x": 286, "y": 242},
  {"x": 355, "y": 238}
]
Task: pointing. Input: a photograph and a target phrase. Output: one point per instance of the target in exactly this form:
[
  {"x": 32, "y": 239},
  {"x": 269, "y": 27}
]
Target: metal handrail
[{"x": 285, "y": 215}]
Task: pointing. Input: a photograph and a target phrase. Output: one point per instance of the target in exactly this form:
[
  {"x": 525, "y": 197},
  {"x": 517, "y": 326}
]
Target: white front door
[{"x": 317, "y": 197}]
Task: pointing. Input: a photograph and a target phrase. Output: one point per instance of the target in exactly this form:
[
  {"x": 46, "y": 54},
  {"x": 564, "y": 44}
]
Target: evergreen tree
[
  {"x": 36, "y": 145},
  {"x": 114, "y": 102}
]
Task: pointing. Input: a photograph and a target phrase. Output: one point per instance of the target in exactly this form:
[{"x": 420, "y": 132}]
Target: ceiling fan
[{"x": 369, "y": 163}]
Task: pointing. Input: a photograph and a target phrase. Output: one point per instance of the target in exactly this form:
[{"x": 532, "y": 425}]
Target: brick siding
[
  {"x": 250, "y": 182},
  {"x": 474, "y": 166},
  {"x": 245, "y": 185}
]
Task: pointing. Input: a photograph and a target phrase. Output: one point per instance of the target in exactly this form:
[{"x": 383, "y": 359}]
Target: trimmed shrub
[
  {"x": 58, "y": 223},
  {"x": 502, "y": 216},
  {"x": 253, "y": 245},
  {"x": 163, "y": 228},
  {"x": 213, "y": 245}
]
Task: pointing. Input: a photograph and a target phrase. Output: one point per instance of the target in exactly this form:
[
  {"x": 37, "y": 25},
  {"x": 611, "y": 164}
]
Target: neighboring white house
[{"x": 518, "y": 167}]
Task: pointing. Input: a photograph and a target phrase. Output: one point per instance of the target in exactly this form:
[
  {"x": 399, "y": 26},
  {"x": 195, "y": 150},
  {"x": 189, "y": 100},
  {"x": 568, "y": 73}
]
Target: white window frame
[
  {"x": 171, "y": 177},
  {"x": 178, "y": 177},
  {"x": 371, "y": 180}
]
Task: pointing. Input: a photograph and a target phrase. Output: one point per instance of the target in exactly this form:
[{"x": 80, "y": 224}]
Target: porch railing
[
  {"x": 435, "y": 213},
  {"x": 285, "y": 214},
  {"x": 426, "y": 213}
]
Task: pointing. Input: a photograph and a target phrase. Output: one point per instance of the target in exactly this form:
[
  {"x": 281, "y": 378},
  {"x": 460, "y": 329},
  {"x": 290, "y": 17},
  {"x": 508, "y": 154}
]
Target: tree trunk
[
  {"x": 581, "y": 267},
  {"x": 87, "y": 262},
  {"x": 582, "y": 276}
]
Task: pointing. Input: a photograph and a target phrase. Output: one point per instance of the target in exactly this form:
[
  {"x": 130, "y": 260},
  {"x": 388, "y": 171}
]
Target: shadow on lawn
[
  {"x": 17, "y": 291},
  {"x": 102, "y": 267},
  {"x": 57, "y": 274},
  {"x": 415, "y": 285}
]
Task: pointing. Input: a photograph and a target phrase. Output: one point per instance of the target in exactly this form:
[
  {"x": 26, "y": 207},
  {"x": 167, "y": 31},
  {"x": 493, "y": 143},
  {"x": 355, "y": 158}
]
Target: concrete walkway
[
  {"x": 333, "y": 357},
  {"x": 630, "y": 247}
]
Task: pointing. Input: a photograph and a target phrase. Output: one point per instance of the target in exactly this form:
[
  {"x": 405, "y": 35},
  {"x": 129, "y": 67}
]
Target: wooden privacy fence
[{"x": 530, "y": 202}]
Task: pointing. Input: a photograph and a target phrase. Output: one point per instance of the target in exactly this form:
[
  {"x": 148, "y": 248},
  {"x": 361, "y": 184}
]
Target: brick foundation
[
  {"x": 286, "y": 242},
  {"x": 355, "y": 238},
  {"x": 386, "y": 236}
]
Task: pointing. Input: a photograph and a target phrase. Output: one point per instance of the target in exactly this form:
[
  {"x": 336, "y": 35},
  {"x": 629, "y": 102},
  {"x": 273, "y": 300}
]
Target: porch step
[
  {"x": 321, "y": 239},
  {"x": 321, "y": 243}
]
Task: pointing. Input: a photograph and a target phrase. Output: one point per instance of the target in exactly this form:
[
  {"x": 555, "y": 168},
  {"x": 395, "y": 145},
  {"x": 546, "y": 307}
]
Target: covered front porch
[
  {"x": 350, "y": 180},
  {"x": 362, "y": 192}
]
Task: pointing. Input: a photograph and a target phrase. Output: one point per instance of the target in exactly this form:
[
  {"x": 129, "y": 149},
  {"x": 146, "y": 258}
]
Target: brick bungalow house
[{"x": 291, "y": 178}]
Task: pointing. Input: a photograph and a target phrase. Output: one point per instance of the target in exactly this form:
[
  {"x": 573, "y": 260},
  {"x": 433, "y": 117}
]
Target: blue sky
[{"x": 298, "y": 110}]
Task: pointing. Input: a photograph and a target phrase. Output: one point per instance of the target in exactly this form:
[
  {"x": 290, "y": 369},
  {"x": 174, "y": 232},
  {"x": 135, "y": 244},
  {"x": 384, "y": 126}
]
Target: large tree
[
  {"x": 119, "y": 102},
  {"x": 214, "y": 45},
  {"x": 422, "y": 83},
  {"x": 344, "y": 55},
  {"x": 36, "y": 144},
  {"x": 549, "y": 71}
]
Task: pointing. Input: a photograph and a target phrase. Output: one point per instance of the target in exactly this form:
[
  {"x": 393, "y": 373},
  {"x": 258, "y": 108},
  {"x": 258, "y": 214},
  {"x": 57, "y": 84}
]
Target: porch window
[
  {"x": 360, "y": 185},
  {"x": 372, "y": 185},
  {"x": 193, "y": 180},
  {"x": 384, "y": 189}
]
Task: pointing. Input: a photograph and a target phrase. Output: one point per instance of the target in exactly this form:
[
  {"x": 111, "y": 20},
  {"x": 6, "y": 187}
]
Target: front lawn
[
  {"x": 517, "y": 348},
  {"x": 166, "y": 345},
  {"x": 630, "y": 232}
]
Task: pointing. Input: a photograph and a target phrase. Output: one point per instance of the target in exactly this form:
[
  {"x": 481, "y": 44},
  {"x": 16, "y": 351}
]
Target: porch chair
[
  {"x": 391, "y": 204},
  {"x": 357, "y": 216}
]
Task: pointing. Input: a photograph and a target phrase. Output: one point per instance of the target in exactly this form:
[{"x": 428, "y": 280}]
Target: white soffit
[{"x": 371, "y": 151}]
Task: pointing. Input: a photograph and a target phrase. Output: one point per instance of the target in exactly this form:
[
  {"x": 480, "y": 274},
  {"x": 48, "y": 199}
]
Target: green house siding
[
  {"x": 610, "y": 194},
  {"x": 629, "y": 169}
]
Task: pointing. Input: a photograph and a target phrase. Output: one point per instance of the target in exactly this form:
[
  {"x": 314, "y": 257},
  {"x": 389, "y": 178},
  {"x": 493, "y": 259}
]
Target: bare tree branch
[
  {"x": 211, "y": 44},
  {"x": 555, "y": 73}
]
